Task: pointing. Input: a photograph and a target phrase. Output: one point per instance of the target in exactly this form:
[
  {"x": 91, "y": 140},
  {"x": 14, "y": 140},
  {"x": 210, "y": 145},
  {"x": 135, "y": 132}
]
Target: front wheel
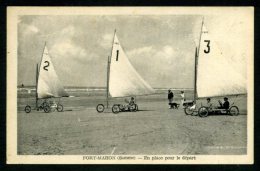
[
  {"x": 100, "y": 108},
  {"x": 188, "y": 110},
  {"x": 203, "y": 112},
  {"x": 115, "y": 109},
  {"x": 234, "y": 111},
  {"x": 59, "y": 108},
  {"x": 27, "y": 109}
]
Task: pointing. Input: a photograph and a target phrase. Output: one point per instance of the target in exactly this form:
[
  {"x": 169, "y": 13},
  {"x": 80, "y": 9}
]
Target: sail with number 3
[
  {"x": 48, "y": 83},
  {"x": 215, "y": 74},
  {"x": 124, "y": 80}
]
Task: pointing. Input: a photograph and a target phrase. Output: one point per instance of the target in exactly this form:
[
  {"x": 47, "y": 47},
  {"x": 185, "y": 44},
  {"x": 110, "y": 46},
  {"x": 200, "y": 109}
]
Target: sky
[{"x": 160, "y": 48}]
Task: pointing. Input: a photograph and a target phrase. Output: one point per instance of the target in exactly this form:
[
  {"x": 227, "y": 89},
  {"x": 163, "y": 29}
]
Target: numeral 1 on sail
[{"x": 117, "y": 53}]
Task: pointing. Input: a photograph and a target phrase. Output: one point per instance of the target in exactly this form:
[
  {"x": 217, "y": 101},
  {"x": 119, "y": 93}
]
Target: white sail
[
  {"x": 216, "y": 76},
  {"x": 48, "y": 82},
  {"x": 124, "y": 79}
]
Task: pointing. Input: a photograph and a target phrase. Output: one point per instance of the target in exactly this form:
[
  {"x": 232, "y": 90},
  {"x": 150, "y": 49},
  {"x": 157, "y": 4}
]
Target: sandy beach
[{"x": 154, "y": 129}]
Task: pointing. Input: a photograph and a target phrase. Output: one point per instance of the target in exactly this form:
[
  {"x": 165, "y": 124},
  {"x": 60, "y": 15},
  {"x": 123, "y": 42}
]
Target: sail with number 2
[
  {"x": 48, "y": 84},
  {"x": 124, "y": 80},
  {"x": 215, "y": 74}
]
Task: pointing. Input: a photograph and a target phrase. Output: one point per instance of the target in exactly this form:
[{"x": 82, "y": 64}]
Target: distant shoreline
[{"x": 71, "y": 88}]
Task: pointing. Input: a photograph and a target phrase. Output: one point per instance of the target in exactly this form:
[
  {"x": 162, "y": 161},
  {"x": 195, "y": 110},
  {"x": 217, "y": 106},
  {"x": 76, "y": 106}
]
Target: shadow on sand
[
  {"x": 129, "y": 111},
  {"x": 223, "y": 114}
]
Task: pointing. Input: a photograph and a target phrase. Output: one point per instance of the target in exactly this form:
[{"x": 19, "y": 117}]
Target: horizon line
[{"x": 19, "y": 86}]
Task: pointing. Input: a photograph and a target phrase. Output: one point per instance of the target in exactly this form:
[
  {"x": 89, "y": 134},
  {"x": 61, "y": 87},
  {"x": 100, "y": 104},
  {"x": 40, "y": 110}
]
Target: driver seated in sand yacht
[
  {"x": 209, "y": 104},
  {"x": 130, "y": 103},
  {"x": 224, "y": 105}
]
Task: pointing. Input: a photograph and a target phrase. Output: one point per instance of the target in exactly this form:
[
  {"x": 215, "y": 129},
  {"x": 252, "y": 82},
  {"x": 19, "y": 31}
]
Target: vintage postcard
[{"x": 130, "y": 85}]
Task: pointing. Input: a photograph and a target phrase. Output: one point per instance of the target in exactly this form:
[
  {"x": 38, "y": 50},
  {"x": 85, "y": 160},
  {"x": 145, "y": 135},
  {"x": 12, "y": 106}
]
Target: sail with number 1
[{"x": 124, "y": 79}]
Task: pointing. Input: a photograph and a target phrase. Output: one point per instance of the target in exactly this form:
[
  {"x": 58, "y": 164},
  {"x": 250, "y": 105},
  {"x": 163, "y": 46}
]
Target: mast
[
  {"x": 36, "y": 86},
  {"x": 196, "y": 63},
  {"x": 108, "y": 68},
  {"x": 37, "y": 75},
  {"x": 108, "y": 71},
  {"x": 200, "y": 36},
  {"x": 195, "y": 76}
]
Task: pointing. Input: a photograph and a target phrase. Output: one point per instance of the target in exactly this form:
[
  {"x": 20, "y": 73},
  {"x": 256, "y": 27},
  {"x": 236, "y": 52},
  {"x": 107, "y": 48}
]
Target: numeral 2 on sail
[
  {"x": 208, "y": 50},
  {"x": 46, "y": 66}
]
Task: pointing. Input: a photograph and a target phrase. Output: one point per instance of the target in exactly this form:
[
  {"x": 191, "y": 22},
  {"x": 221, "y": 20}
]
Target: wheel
[
  {"x": 203, "y": 111},
  {"x": 47, "y": 109},
  {"x": 100, "y": 108},
  {"x": 27, "y": 109},
  {"x": 188, "y": 110},
  {"x": 115, "y": 109},
  {"x": 133, "y": 108},
  {"x": 59, "y": 108},
  {"x": 234, "y": 111},
  {"x": 136, "y": 107}
]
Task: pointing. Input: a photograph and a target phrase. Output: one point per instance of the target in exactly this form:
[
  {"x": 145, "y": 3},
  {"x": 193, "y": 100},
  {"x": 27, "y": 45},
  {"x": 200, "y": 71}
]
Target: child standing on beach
[{"x": 182, "y": 97}]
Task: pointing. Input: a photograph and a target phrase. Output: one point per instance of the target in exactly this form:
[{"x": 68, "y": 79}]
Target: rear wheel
[
  {"x": 100, "y": 108},
  {"x": 27, "y": 109},
  {"x": 59, "y": 108},
  {"x": 134, "y": 108},
  {"x": 47, "y": 109},
  {"x": 234, "y": 111},
  {"x": 115, "y": 109},
  {"x": 188, "y": 110},
  {"x": 203, "y": 112}
]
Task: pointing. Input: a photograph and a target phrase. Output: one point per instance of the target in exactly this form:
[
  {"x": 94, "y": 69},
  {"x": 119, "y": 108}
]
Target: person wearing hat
[
  {"x": 224, "y": 105},
  {"x": 131, "y": 102},
  {"x": 170, "y": 98}
]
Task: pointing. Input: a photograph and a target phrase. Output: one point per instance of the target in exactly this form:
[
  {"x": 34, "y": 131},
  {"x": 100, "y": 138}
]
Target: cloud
[
  {"x": 68, "y": 31},
  {"x": 141, "y": 51},
  {"x": 106, "y": 41},
  {"x": 64, "y": 47},
  {"x": 166, "y": 52},
  {"x": 28, "y": 29},
  {"x": 33, "y": 28},
  {"x": 158, "y": 64},
  {"x": 68, "y": 49}
]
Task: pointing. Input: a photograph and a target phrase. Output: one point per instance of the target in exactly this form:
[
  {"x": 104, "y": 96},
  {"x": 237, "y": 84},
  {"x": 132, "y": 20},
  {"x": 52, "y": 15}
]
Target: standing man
[{"x": 170, "y": 98}]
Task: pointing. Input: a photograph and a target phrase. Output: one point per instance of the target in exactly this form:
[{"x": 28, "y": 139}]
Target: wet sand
[{"x": 155, "y": 129}]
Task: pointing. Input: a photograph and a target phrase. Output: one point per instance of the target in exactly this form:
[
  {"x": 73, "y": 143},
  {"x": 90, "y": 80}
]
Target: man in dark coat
[
  {"x": 225, "y": 105},
  {"x": 170, "y": 98}
]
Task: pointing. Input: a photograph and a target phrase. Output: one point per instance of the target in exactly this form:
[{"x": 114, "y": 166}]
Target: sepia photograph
[{"x": 130, "y": 85}]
